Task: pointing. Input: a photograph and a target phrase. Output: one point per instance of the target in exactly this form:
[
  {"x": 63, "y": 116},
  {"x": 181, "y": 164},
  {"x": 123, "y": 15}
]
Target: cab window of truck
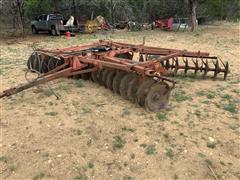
[
  {"x": 44, "y": 17},
  {"x": 55, "y": 17},
  {"x": 40, "y": 18}
]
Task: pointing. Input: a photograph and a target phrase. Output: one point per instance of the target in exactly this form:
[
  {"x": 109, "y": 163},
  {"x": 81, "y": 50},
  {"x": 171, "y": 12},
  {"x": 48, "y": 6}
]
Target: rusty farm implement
[{"x": 139, "y": 73}]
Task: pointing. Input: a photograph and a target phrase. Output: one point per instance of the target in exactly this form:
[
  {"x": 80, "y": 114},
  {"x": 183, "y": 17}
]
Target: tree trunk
[
  {"x": 55, "y": 5},
  {"x": 21, "y": 13},
  {"x": 193, "y": 14},
  {"x": 111, "y": 11},
  {"x": 74, "y": 8}
]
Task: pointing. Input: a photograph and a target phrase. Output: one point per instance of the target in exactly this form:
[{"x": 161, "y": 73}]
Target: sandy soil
[{"x": 91, "y": 133}]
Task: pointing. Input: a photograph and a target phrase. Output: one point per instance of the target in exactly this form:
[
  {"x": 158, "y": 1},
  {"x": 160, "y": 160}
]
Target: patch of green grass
[
  {"x": 81, "y": 177},
  {"x": 128, "y": 129},
  {"x": 181, "y": 96},
  {"x": 234, "y": 82},
  {"x": 51, "y": 113},
  {"x": 12, "y": 168},
  {"x": 210, "y": 95},
  {"x": 86, "y": 110},
  {"x": 127, "y": 178},
  {"x": 231, "y": 107},
  {"x": 197, "y": 113},
  {"x": 192, "y": 76},
  {"x": 211, "y": 145},
  {"x": 237, "y": 91},
  {"x": 169, "y": 153},
  {"x": 38, "y": 176},
  {"x": 227, "y": 97},
  {"x": 175, "y": 176},
  {"x": 200, "y": 93},
  {"x": 209, "y": 162},
  {"x": 77, "y": 131},
  {"x": 233, "y": 126},
  {"x": 150, "y": 150},
  {"x": 90, "y": 165},
  {"x": 79, "y": 83},
  {"x": 118, "y": 142},
  {"x": 48, "y": 92},
  {"x": 143, "y": 145},
  {"x": 3, "y": 159},
  {"x": 201, "y": 155},
  {"x": 196, "y": 34},
  {"x": 1, "y": 72},
  {"x": 125, "y": 112},
  {"x": 206, "y": 102},
  {"x": 161, "y": 116},
  {"x": 64, "y": 87}
]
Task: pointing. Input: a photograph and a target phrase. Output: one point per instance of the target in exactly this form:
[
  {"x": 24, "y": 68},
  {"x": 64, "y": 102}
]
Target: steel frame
[{"x": 90, "y": 58}]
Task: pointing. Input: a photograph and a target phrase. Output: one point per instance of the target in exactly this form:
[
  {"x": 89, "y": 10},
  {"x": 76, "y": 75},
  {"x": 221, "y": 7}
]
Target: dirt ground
[{"x": 91, "y": 133}]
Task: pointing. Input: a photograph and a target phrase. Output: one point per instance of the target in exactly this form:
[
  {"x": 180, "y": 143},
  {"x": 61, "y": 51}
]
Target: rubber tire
[
  {"x": 158, "y": 97},
  {"x": 132, "y": 89},
  {"x": 124, "y": 84},
  {"x": 109, "y": 80},
  {"x": 117, "y": 80},
  {"x": 54, "y": 31},
  {"x": 34, "y": 30},
  {"x": 143, "y": 91}
]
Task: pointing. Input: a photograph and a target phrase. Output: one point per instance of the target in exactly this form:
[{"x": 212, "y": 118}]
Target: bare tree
[
  {"x": 192, "y": 4},
  {"x": 20, "y": 4},
  {"x": 55, "y": 5},
  {"x": 74, "y": 7}
]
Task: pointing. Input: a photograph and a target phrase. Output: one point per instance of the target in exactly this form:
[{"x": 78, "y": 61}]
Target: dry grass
[{"x": 91, "y": 133}]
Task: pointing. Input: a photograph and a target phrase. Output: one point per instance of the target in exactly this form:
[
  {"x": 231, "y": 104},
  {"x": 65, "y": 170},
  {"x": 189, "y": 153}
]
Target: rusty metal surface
[{"x": 89, "y": 58}]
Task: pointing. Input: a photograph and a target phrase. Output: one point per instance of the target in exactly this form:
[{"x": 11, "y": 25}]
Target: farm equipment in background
[
  {"x": 164, "y": 24},
  {"x": 138, "y": 73},
  {"x": 121, "y": 25},
  {"x": 98, "y": 23},
  {"x": 181, "y": 24}
]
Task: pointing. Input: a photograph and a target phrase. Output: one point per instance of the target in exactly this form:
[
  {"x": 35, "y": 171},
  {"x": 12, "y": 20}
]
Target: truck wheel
[
  {"x": 34, "y": 30},
  {"x": 54, "y": 31}
]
